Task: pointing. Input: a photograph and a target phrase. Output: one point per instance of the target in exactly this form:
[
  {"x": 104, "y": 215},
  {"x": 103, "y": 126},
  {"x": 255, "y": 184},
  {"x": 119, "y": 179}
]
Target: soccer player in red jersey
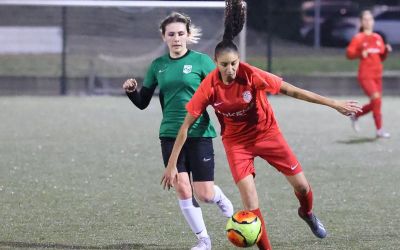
[
  {"x": 237, "y": 92},
  {"x": 371, "y": 49}
]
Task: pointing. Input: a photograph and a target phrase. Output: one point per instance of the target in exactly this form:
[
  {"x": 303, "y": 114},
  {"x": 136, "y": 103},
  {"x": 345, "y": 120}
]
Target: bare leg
[
  {"x": 248, "y": 193},
  {"x": 206, "y": 191}
]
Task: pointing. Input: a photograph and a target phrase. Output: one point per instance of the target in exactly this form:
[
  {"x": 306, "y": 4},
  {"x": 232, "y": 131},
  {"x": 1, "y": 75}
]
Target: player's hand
[
  {"x": 364, "y": 53},
  {"x": 130, "y": 85},
  {"x": 389, "y": 47},
  {"x": 347, "y": 107},
  {"x": 170, "y": 177}
]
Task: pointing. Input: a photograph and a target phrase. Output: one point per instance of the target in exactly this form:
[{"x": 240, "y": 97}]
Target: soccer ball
[{"x": 244, "y": 229}]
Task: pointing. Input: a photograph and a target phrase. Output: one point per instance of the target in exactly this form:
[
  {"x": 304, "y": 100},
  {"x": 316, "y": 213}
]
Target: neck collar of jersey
[{"x": 187, "y": 53}]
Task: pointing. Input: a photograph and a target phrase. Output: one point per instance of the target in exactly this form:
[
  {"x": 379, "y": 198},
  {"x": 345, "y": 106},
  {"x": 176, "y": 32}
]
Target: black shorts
[{"x": 196, "y": 157}]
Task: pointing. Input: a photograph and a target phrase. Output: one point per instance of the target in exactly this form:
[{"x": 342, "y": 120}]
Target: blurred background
[
  {"x": 66, "y": 49},
  {"x": 80, "y": 166}
]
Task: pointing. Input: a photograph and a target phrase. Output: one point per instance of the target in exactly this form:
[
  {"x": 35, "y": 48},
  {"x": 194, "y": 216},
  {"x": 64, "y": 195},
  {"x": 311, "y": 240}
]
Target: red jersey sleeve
[
  {"x": 266, "y": 81},
  {"x": 201, "y": 98},
  {"x": 383, "y": 48},
  {"x": 385, "y": 54},
  {"x": 353, "y": 51}
]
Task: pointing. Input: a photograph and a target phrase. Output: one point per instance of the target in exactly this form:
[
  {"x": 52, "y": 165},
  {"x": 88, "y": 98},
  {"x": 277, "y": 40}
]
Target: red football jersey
[
  {"x": 242, "y": 106},
  {"x": 371, "y": 66}
]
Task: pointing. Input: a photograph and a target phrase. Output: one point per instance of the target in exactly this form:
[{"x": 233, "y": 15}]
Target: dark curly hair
[{"x": 235, "y": 17}]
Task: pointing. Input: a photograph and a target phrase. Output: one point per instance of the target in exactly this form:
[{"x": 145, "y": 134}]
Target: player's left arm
[
  {"x": 386, "y": 49},
  {"x": 347, "y": 107}
]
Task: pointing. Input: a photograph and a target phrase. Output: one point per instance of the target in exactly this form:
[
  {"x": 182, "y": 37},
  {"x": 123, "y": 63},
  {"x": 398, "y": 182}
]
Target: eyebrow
[
  {"x": 180, "y": 31},
  {"x": 231, "y": 61}
]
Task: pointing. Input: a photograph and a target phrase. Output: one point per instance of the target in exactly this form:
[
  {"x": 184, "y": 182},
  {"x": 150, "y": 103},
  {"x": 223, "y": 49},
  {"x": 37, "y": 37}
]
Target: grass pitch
[{"x": 84, "y": 173}]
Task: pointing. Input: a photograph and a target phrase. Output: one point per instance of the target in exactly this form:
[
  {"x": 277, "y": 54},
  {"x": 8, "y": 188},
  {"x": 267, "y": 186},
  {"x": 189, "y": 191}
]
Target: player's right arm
[
  {"x": 140, "y": 98},
  {"x": 353, "y": 51},
  {"x": 170, "y": 176}
]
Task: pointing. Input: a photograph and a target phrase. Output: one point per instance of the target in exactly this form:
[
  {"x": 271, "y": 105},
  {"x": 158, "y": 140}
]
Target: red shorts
[
  {"x": 371, "y": 85},
  {"x": 273, "y": 149}
]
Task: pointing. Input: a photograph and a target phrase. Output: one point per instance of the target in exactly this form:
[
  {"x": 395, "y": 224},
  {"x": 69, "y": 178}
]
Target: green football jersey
[{"x": 177, "y": 80}]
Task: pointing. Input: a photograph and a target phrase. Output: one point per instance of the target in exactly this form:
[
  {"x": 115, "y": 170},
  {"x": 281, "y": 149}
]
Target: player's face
[
  {"x": 176, "y": 37},
  {"x": 367, "y": 21},
  {"x": 227, "y": 64}
]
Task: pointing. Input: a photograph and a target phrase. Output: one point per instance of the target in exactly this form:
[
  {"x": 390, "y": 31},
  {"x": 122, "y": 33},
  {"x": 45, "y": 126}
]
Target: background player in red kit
[
  {"x": 237, "y": 93},
  {"x": 370, "y": 48}
]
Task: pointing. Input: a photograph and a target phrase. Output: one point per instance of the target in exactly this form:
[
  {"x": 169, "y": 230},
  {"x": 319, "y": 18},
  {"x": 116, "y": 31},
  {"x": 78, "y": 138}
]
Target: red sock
[
  {"x": 264, "y": 243},
  {"x": 306, "y": 202},
  {"x": 376, "y": 111},
  {"x": 365, "y": 109}
]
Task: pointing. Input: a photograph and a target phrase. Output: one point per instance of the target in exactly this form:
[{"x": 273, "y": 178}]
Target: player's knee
[
  {"x": 205, "y": 195},
  {"x": 376, "y": 101},
  {"x": 302, "y": 189},
  {"x": 375, "y": 95},
  {"x": 183, "y": 189}
]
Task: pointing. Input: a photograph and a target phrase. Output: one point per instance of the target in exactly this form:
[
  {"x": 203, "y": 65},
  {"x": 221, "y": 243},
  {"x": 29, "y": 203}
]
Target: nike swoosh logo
[
  {"x": 161, "y": 70},
  {"x": 217, "y": 104},
  {"x": 206, "y": 159},
  {"x": 294, "y": 167}
]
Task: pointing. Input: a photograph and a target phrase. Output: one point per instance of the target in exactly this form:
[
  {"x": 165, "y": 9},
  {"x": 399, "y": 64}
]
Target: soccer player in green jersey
[{"x": 178, "y": 74}]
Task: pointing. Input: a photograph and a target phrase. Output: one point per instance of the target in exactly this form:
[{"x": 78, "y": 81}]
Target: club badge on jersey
[
  {"x": 187, "y": 69},
  {"x": 247, "y": 96}
]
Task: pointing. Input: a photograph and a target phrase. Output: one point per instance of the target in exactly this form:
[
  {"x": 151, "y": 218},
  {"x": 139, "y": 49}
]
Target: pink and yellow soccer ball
[{"x": 244, "y": 229}]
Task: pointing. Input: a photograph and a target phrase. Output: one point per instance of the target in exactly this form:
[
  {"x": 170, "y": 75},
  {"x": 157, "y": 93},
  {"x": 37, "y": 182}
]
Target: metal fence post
[
  {"x": 317, "y": 24},
  {"x": 63, "y": 77}
]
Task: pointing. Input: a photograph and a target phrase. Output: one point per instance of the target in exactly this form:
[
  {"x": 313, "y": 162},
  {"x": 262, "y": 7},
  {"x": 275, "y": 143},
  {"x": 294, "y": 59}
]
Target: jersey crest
[
  {"x": 187, "y": 69},
  {"x": 247, "y": 96}
]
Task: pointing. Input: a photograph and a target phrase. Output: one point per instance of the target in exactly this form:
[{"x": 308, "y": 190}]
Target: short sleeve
[
  {"x": 150, "y": 80},
  {"x": 207, "y": 65},
  {"x": 266, "y": 81},
  {"x": 201, "y": 98}
]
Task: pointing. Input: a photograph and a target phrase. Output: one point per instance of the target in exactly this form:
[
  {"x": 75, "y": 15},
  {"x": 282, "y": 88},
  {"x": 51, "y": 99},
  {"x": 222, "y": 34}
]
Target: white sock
[
  {"x": 194, "y": 217},
  {"x": 217, "y": 194}
]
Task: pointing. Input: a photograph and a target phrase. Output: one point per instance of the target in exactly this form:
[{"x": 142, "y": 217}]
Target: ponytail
[{"x": 235, "y": 17}]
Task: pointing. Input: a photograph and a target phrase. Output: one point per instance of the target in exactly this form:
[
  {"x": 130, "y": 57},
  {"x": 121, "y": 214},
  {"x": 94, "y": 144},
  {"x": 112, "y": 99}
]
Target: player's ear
[{"x": 162, "y": 36}]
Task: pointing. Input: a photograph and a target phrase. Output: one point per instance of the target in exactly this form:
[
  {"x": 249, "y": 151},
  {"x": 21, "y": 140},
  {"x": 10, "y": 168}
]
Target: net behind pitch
[{"x": 104, "y": 45}]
